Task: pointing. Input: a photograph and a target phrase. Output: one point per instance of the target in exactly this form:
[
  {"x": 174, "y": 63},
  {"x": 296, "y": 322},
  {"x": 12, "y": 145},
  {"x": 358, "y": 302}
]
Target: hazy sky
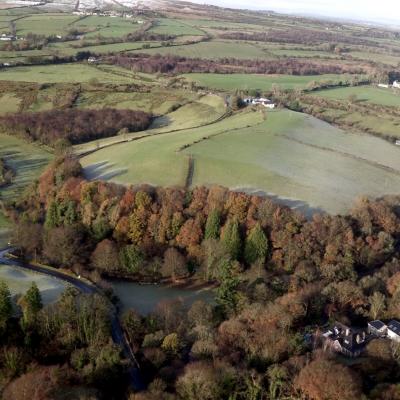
[{"x": 355, "y": 9}]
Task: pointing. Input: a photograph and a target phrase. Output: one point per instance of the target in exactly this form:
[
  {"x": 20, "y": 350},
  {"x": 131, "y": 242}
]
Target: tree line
[
  {"x": 279, "y": 276},
  {"x": 73, "y": 125},
  {"x": 170, "y": 64}
]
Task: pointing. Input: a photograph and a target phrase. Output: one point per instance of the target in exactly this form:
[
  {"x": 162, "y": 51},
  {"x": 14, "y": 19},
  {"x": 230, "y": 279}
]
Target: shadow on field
[
  {"x": 102, "y": 171},
  {"x": 298, "y": 205}
]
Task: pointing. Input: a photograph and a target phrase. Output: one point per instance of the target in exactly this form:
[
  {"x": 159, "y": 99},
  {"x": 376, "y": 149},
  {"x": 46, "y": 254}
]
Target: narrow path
[{"x": 87, "y": 288}]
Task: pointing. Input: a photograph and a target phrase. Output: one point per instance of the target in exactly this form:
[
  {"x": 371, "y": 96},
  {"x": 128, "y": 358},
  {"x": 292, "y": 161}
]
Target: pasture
[
  {"x": 78, "y": 73},
  {"x": 19, "y": 281},
  {"x": 27, "y": 161},
  {"x": 231, "y": 82},
  {"x": 297, "y": 158},
  {"x": 369, "y": 94},
  {"x": 212, "y": 50}
]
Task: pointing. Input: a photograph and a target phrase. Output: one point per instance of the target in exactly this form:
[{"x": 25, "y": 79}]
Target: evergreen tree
[
  {"x": 31, "y": 303},
  {"x": 231, "y": 238},
  {"x": 132, "y": 259},
  {"x": 5, "y": 305},
  {"x": 212, "y": 225},
  {"x": 256, "y": 245},
  {"x": 52, "y": 216},
  {"x": 227, "y": 295},
  {"x": 70, "y": 216}
]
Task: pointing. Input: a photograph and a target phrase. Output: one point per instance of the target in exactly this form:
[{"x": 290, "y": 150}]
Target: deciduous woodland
[
  {"x": 76, "y": 126},
  {"x": 278, "y": 275}
]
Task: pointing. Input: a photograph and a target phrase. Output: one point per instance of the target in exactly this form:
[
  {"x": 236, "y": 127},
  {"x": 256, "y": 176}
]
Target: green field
[
  {"x": 166, "y": 26},
  {"x": 213, "y": 50},
  {"x": 376, "y": 95},
  {"x": 66, "y": 73},
  {"x": 5, "y": 226},
  {"x": 26, "y": 160},
  {"x": 295, "y": 157},
  {"x": 19, "y": 281},
  {"x": 253, "y": 81}
]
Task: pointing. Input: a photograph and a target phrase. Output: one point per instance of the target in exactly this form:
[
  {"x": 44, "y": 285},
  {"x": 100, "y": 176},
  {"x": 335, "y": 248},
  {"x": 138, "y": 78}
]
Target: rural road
[{"x": 116, "y": 329}]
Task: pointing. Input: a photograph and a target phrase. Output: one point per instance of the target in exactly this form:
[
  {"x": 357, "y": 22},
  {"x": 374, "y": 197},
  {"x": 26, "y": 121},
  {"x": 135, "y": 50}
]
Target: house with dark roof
[
  {"x": 345, "y": 340},
  {"x": 377, "y": 328},
  {"x": 393, "y": 330}
]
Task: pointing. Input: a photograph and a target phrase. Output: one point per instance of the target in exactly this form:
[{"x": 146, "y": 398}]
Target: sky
[{"x": 367, "y": 10}]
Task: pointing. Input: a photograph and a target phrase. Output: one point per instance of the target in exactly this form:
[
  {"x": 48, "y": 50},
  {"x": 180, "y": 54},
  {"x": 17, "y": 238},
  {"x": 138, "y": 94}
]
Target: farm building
[
  {"x": 383, "y": 85},
  {"x": 393, "y": 330},
  {"x": 397, "y": 143},
  {"x": 260, "y": 100},
  {"x": 345, "y": 340},
  {"x": 396, "y": 84},
  {"x": 377, "y": 328}
]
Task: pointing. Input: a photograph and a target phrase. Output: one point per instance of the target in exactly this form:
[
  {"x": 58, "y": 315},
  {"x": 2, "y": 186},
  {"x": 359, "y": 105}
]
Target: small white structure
[
  {"x": 393, "y": 330},
  {"x": 7, "y": 38},
  {"x": 260, "y": 101},
  {"x": 383, "y": 85},
  {"x": 93, "y": 60},
  {"x": 397, "y": 143},
  {"x": 396, "y": 84}
]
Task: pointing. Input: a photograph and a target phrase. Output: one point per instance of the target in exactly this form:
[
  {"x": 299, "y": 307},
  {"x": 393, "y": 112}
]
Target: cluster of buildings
[
  {"x": 351, "y": 342},
  {"x": 112, "y": 14},
  {"x": 7, "y": 38},
  {"x": 395, "y": 84},
  {"x": 259, "y": 101}
]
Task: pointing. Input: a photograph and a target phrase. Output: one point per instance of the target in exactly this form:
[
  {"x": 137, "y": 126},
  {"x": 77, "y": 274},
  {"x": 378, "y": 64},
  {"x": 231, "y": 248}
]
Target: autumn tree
[
  {"x": 324, "y": 379},
  {"x": 174, "y": 264},
  {"x": 105, "y": 257}
]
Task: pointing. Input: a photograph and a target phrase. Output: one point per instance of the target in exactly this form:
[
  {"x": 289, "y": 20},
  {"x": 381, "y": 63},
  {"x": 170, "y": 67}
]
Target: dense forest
[
  {"x": 60, "y": 351},
  {"x": 76, "y": 126},
  {"x": 278, "y": 276},
  {"x": 170, "y": 64}
]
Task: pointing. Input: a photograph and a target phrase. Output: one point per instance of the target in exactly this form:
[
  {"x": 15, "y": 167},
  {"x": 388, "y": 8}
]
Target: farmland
[
  {"x": 263, "y": 82},
  {"x": 26, "y": 160},
  {"x": 375, "y": 95},
  {"x": 299, "y": 159}
]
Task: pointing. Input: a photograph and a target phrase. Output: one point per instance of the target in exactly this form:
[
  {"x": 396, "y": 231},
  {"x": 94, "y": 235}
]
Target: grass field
[
  {"x": 166, "y": 26},
  {"x": 385, "y": 97},
  {"x": 19, "y": 281},
  {"x": 213, "y": 50},
  {"x": 5, "y": 227},
  {"x": 253, "y": 81},
  {"x": 65, "y": 73},
  {"x": 295, "y": 157},
  {"x": 26, "y": 160}
]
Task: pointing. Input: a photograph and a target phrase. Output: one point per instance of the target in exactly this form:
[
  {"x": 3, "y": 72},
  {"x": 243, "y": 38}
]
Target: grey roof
[
  {"x": 377, "y": 324},
  {"x": 394, "y": 326}
]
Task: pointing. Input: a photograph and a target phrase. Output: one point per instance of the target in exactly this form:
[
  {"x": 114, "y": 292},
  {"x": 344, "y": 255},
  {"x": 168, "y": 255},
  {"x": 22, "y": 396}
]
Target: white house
[
  {"x": 377, "y": 328},
  {"x": 260, "y": 101},
  {"x": 93, "y": 60},
  {"x": 393, "y": 330},
  {"x": 396, "y": 84},
  {"x": 383, "y": 85},
  {"x": 397, "y": 143}
]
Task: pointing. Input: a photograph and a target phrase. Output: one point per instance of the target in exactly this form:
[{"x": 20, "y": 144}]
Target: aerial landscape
[{"x": 199, "y": 201}]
